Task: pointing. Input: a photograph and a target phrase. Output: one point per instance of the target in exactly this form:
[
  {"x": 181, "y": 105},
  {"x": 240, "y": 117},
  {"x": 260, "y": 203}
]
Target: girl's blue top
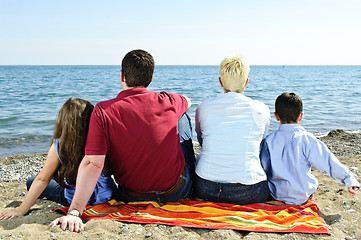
[{"x": 103, "y": 190}]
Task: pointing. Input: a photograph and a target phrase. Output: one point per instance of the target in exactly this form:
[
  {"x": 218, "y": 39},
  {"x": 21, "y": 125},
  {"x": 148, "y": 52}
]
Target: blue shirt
[
  {"x": 287, "y": 156},
  {"x": 103, "y": 190}
]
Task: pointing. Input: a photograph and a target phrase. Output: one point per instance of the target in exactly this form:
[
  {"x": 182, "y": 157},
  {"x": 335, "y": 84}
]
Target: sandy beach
[{"x": 340, "y": 210}]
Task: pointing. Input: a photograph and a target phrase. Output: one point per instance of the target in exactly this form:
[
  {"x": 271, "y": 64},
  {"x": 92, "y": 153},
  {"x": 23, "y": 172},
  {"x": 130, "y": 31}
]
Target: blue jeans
[
  {"x": 52, "y": 192},
  {"x": 185, "y": 134},
  {"x": 234, "y": 193}
]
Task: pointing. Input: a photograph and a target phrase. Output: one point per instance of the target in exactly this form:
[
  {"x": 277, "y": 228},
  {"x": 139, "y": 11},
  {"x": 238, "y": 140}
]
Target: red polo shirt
[{"x": 138, "y": 131}]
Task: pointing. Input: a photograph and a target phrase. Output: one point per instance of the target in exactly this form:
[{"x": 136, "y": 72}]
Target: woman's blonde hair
[
  {"x": 234, "y": 71},
  {"x": 72, "y": 128}
]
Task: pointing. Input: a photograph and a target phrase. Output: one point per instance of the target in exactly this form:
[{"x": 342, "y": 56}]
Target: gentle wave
[
  {"x": 9, "y": 119},
  {"x": 11, "y": 142}
]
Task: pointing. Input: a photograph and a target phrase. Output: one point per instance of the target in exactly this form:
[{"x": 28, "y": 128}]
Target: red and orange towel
[{"x": 272, "y": 216}]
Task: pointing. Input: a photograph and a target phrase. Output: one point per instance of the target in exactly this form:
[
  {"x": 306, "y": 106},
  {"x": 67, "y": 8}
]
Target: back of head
[
  {"x": 71, "y": 127},
  {"x": 138, "y": 68},
  {"x": 288, "y": 107},
  {"x": 234, "y": 73}
]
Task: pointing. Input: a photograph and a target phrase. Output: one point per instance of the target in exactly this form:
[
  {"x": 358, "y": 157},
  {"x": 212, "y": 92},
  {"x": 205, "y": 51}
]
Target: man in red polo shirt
[{"x": 145, "y": 135}]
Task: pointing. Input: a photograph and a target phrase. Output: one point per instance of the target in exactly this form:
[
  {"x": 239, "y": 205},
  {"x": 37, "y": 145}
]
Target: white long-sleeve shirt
[{"x": 230, "y": 128}]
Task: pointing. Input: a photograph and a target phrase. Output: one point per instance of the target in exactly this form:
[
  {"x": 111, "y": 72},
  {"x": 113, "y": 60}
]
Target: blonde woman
[{"x": 230, "y": 128}]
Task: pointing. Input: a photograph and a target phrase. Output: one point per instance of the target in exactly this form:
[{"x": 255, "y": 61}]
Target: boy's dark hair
[
  {"x": 288, "y": 107},
  {"x": 138, "y": 68}
]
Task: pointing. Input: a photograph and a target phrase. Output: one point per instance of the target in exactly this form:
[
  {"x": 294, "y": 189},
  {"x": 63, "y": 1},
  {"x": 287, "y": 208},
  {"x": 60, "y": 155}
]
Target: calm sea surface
[{"x": 31, "y": 96}]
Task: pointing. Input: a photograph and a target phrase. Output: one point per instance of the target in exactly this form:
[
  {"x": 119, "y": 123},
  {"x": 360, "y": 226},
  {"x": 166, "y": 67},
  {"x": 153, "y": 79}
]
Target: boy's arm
[
  {"x": 320, "y": 157},
  {"x": 265, "y": 157}
]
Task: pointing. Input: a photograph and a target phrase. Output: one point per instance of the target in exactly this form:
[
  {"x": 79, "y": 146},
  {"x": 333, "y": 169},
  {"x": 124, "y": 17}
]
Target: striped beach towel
[{"x": 271, "y": 216}]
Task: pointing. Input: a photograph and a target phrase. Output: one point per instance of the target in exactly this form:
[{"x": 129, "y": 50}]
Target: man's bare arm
[{"x": 88, "y": 174}]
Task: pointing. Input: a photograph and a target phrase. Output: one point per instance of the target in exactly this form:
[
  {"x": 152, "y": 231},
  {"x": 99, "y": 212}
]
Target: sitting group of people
[{"x": 143, "y": 140}]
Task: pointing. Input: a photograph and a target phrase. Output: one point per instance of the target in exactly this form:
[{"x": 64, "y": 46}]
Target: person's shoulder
[
  {"x": 302, "y": 132},
  {"x": 258, "y": 103},
  {"x": 165, "y": 94},
  {"x": 270, "y": 136},
  {"x": 170, "y": 96},
  {"x": 105, "y": 103},
  {"x": 208, "y": 101}
]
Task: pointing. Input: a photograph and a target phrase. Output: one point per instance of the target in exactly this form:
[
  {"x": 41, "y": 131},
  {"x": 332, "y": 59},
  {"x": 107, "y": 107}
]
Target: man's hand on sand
[
  {"x": 353, "y": 190},
  {"x": 73, "y": 223}
]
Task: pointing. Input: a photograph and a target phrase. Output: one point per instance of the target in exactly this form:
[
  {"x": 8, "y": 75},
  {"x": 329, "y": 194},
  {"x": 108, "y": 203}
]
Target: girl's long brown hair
[{"x": 71, "y": 127}]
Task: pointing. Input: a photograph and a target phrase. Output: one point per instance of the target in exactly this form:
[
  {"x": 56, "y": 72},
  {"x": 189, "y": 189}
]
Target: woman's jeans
[
  {"x": 52, "y": 192},
  {"x": 234, "y": 193},
  {"x": 185, "y": 133}
]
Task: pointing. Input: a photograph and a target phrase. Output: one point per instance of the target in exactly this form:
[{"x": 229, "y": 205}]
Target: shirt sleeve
[
  {"x": 179, "y": 103},
  {"x": 268, "y": 121},
  {"x": 198, "y": 126},
  {"x": 96, "y": 143},
  {"x": 265, "y": 157},
  {"x": 323, "y": 159}
]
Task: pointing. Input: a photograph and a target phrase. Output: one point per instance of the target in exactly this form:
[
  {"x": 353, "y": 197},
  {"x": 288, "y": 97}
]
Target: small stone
[
  {"x": 348, "y": 238},
  {"x": 125, "y": 228},
  {"x": 148, "y": 234},
  {"x": 156, "y": 228},
  {"x": 221, "y": 235},
  {"x": 353, "y": 168},
  {"x": 327, "y": 209},
  {"x": 136, "y": 232},
  {"x": 347, "y": 207},
  {"x": 22, "y": 194},
  {"x": 351, "y": 211}
]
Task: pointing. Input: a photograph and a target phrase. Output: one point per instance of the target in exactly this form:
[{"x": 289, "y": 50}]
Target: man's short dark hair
[
  {"x": 138, "y": 68},
  {"x": 288, "y": 107}
]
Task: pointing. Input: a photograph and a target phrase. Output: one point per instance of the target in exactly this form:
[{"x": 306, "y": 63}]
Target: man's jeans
[
  {"x": 52, "y": 192},
  {"x": 234, "y": 193},
  {"x": 185, "y": 133}
]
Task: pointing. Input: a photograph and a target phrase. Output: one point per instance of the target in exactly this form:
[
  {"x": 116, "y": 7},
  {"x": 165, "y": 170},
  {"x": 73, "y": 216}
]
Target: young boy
[{"x": 288, "y": 154}]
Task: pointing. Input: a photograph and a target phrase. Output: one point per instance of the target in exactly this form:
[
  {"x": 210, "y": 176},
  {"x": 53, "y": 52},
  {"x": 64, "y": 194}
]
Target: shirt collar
[
  {"x": 232, "y": 95},
  {"x": 290, "y": 127},
  {"x": 132, "y": 91}
]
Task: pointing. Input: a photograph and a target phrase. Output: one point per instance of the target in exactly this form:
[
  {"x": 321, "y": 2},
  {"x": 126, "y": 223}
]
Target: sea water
[{"x": 31, "y": 96}]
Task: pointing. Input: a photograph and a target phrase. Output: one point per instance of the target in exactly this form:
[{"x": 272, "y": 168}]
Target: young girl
[{"x": 62, "y": 162}]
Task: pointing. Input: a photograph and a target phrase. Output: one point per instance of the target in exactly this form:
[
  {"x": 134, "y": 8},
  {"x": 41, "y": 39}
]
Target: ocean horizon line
[{"x": 185, "y": 65}]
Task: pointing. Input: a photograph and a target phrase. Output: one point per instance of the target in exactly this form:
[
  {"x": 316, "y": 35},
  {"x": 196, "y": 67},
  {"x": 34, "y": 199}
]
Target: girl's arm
[{"x": 37, "y": 187}]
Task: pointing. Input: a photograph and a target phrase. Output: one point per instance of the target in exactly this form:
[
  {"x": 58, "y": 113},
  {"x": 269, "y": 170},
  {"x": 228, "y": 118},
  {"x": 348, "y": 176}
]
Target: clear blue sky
[{"x": 180, "y": 32}]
